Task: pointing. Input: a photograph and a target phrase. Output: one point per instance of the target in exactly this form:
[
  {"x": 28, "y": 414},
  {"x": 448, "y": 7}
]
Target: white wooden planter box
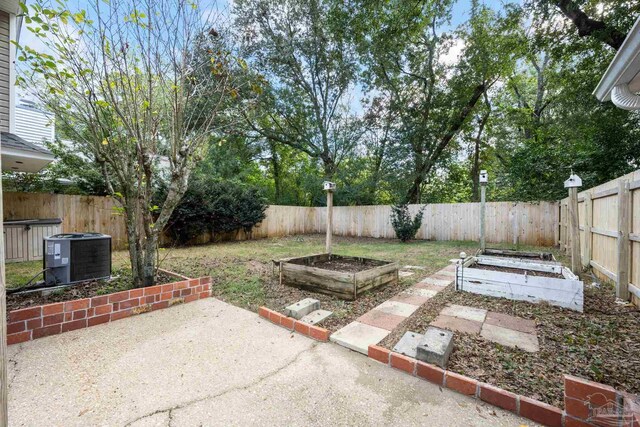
[{"x": 567, "y": 292}]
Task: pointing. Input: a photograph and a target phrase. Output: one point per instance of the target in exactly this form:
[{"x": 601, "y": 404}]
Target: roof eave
[{"x": 624, "y": 67}]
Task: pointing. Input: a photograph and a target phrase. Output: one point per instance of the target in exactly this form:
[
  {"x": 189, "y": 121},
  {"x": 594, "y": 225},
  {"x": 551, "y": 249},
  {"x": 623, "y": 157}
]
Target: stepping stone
[
  {"x": 397, "y": 308},
  {"x": 435, "y": 347},
  {"x": 510, "y": 338},
  {"x": 358, "y": 336},
  {"x": 465, "y": 312},
  {"x": 302, "y": 308},
  {"x": 511, "y": 322},
  {"x": 408, "y": 344},
  {"x": 430, "y": 287},
  {"x": 413, "y": 267},
  {"x": 409, "y": 298},
  {"x": 436, "y": 282},
  {"x": 316, "y": 317},
  {"x": 446, "y": 278},
  {"x": 381, "y": 319},
  {"x": 447, "y": 273},
  {"x": 421, "y": 292},
  {"x": 402, "y": 273},
  {"x": 457, "y": 324}
]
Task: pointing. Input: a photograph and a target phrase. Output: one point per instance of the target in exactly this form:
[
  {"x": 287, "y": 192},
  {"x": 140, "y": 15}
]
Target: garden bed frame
[
  {"x": 301, "y": 273},
  {"x": 567, "y": 291}
]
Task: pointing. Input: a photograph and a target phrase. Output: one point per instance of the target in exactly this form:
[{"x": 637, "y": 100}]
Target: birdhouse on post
[
  {"x": 483, "y": 179},
  {"x": 573, "y": 183}
]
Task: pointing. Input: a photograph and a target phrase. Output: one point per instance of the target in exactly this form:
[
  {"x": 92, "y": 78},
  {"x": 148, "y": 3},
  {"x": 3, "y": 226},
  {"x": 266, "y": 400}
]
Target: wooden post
[
  {"x": 574, "y": 230},
  {"x": 329, "y": 221},
  {"x": 483, "y": 191},
  {"x": 622, "y": 275},
  {"x": 588, "y": 236}
]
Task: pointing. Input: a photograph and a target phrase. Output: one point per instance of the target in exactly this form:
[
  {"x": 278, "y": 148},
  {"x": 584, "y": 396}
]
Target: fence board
[{"x": 604, "y": 248}]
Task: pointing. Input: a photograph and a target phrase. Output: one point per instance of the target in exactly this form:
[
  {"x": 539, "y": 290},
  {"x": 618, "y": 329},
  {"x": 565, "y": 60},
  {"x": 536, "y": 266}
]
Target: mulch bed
[
  {"x": 601, "y": 344},
  {"x": 517, "y": 271},
  {"x": 78, "y": 291}
]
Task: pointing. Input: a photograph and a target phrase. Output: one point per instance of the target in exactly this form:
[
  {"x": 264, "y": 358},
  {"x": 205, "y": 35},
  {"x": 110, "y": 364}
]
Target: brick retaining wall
[{"x": 43, "y": 320}]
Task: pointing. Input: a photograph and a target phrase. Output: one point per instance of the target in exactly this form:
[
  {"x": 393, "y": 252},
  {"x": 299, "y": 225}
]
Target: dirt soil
[
  {"x": 601, "y": 344},
  {"x": 346, "y": 265},
  {"x": 81, "y": 290},
  {"x": 517, "y": 271}
]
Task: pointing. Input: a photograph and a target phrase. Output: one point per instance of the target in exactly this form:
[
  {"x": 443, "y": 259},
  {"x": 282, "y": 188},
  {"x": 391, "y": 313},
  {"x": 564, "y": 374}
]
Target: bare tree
[{"x": 136, "y": 83}]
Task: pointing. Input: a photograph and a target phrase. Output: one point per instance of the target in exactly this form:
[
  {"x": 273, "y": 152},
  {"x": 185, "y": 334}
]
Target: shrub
[
  {"x": 217, "y": 207},
  {"x": 404, "y": 226}
]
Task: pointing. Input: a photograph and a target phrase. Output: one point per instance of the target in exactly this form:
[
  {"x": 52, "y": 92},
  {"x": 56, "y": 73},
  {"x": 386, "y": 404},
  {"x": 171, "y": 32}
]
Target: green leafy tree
[
  {"x": 303, "y": 51},
  {"x": 130, "y": 84}
]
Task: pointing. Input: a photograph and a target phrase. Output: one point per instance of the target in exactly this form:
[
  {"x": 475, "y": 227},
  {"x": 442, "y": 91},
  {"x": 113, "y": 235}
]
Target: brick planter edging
[
  {"x": 311, "y": 331},
  {"x": 43, "y": 320},
  {"x": 529, "y": 408},
  {"x": 587, "y": 403}
]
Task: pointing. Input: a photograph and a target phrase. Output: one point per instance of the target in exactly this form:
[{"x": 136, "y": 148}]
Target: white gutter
[{"x": 617, "y": 83}]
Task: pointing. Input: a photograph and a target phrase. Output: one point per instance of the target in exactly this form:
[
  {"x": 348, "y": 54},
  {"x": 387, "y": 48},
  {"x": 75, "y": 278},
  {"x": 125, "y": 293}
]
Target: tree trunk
[{"x": 277, "y": 172}]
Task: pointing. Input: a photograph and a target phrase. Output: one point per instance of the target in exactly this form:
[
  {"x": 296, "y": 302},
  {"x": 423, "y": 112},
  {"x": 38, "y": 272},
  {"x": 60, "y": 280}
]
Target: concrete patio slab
[
  {"x": 426, "y": 286},
  {"x": 381, "y": 319},
  {"x": 358, "y": 336},
  {"x": 457, "y": 324},
  {"x": 408, "y": 344},
  {"x": 397, "y": 308},
  {"x": 511, "y": 322},
  {"x": 510, "y": 338},
  {"x": 465, "y": 312},
  {"x": 189, "y": 366}
]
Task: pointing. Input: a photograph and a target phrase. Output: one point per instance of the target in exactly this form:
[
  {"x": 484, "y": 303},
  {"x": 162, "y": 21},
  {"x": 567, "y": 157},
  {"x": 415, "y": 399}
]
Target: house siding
[
  {"x": 34, "y": 125},
  {"x": 5, "y": 64}
]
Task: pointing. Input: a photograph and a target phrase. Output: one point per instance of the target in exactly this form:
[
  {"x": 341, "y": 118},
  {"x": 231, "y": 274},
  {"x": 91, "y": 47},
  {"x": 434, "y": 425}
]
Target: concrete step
[
  {"x": 302, "y": 308},
  {"x": 317, "y": 316}
]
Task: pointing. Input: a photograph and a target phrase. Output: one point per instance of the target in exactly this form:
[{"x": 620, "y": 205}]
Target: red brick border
[
  {"x": 43, "y": 320},
  {"x": 581, "y": 396},
  {"x": 315, "y": 332}
]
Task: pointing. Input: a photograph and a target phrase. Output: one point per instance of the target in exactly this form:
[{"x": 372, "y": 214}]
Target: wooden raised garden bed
[
  {"x": 342, "y": 276},
  {"x": 523, "y": 280}
]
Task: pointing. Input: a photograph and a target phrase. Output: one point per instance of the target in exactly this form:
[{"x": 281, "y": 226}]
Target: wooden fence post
[
  {"x": 483, "y": 241},
  {"x": 573, "y": 183},
  {"x": 624, "y": 208},
  {"x": 588, "y": 237}
]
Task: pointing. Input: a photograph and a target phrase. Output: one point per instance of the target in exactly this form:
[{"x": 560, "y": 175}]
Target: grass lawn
[{"x": 242, "y": 271}]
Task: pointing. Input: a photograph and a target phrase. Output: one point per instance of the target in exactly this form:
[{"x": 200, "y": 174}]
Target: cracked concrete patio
[{"x": 209, "y": 363}]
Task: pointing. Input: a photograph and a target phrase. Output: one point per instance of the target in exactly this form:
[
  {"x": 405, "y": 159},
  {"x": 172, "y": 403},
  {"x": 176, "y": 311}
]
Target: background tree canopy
[{"x": 406, "y": 101}]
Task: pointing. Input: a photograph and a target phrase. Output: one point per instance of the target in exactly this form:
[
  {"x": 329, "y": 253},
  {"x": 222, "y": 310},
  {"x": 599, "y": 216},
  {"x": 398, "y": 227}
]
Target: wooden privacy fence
[
  {"x": 523, "y": 223},
  {"x": 609, "y": 223},
  {"x": 78, "y": 213}
]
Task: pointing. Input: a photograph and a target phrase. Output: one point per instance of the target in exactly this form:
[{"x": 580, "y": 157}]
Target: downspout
[{"x": 622, "y": 97}]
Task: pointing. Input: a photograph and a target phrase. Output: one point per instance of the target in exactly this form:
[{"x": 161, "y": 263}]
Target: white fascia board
[
  {"x": 6, "y": 151},
  {"x": 624, "y": 67}
]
